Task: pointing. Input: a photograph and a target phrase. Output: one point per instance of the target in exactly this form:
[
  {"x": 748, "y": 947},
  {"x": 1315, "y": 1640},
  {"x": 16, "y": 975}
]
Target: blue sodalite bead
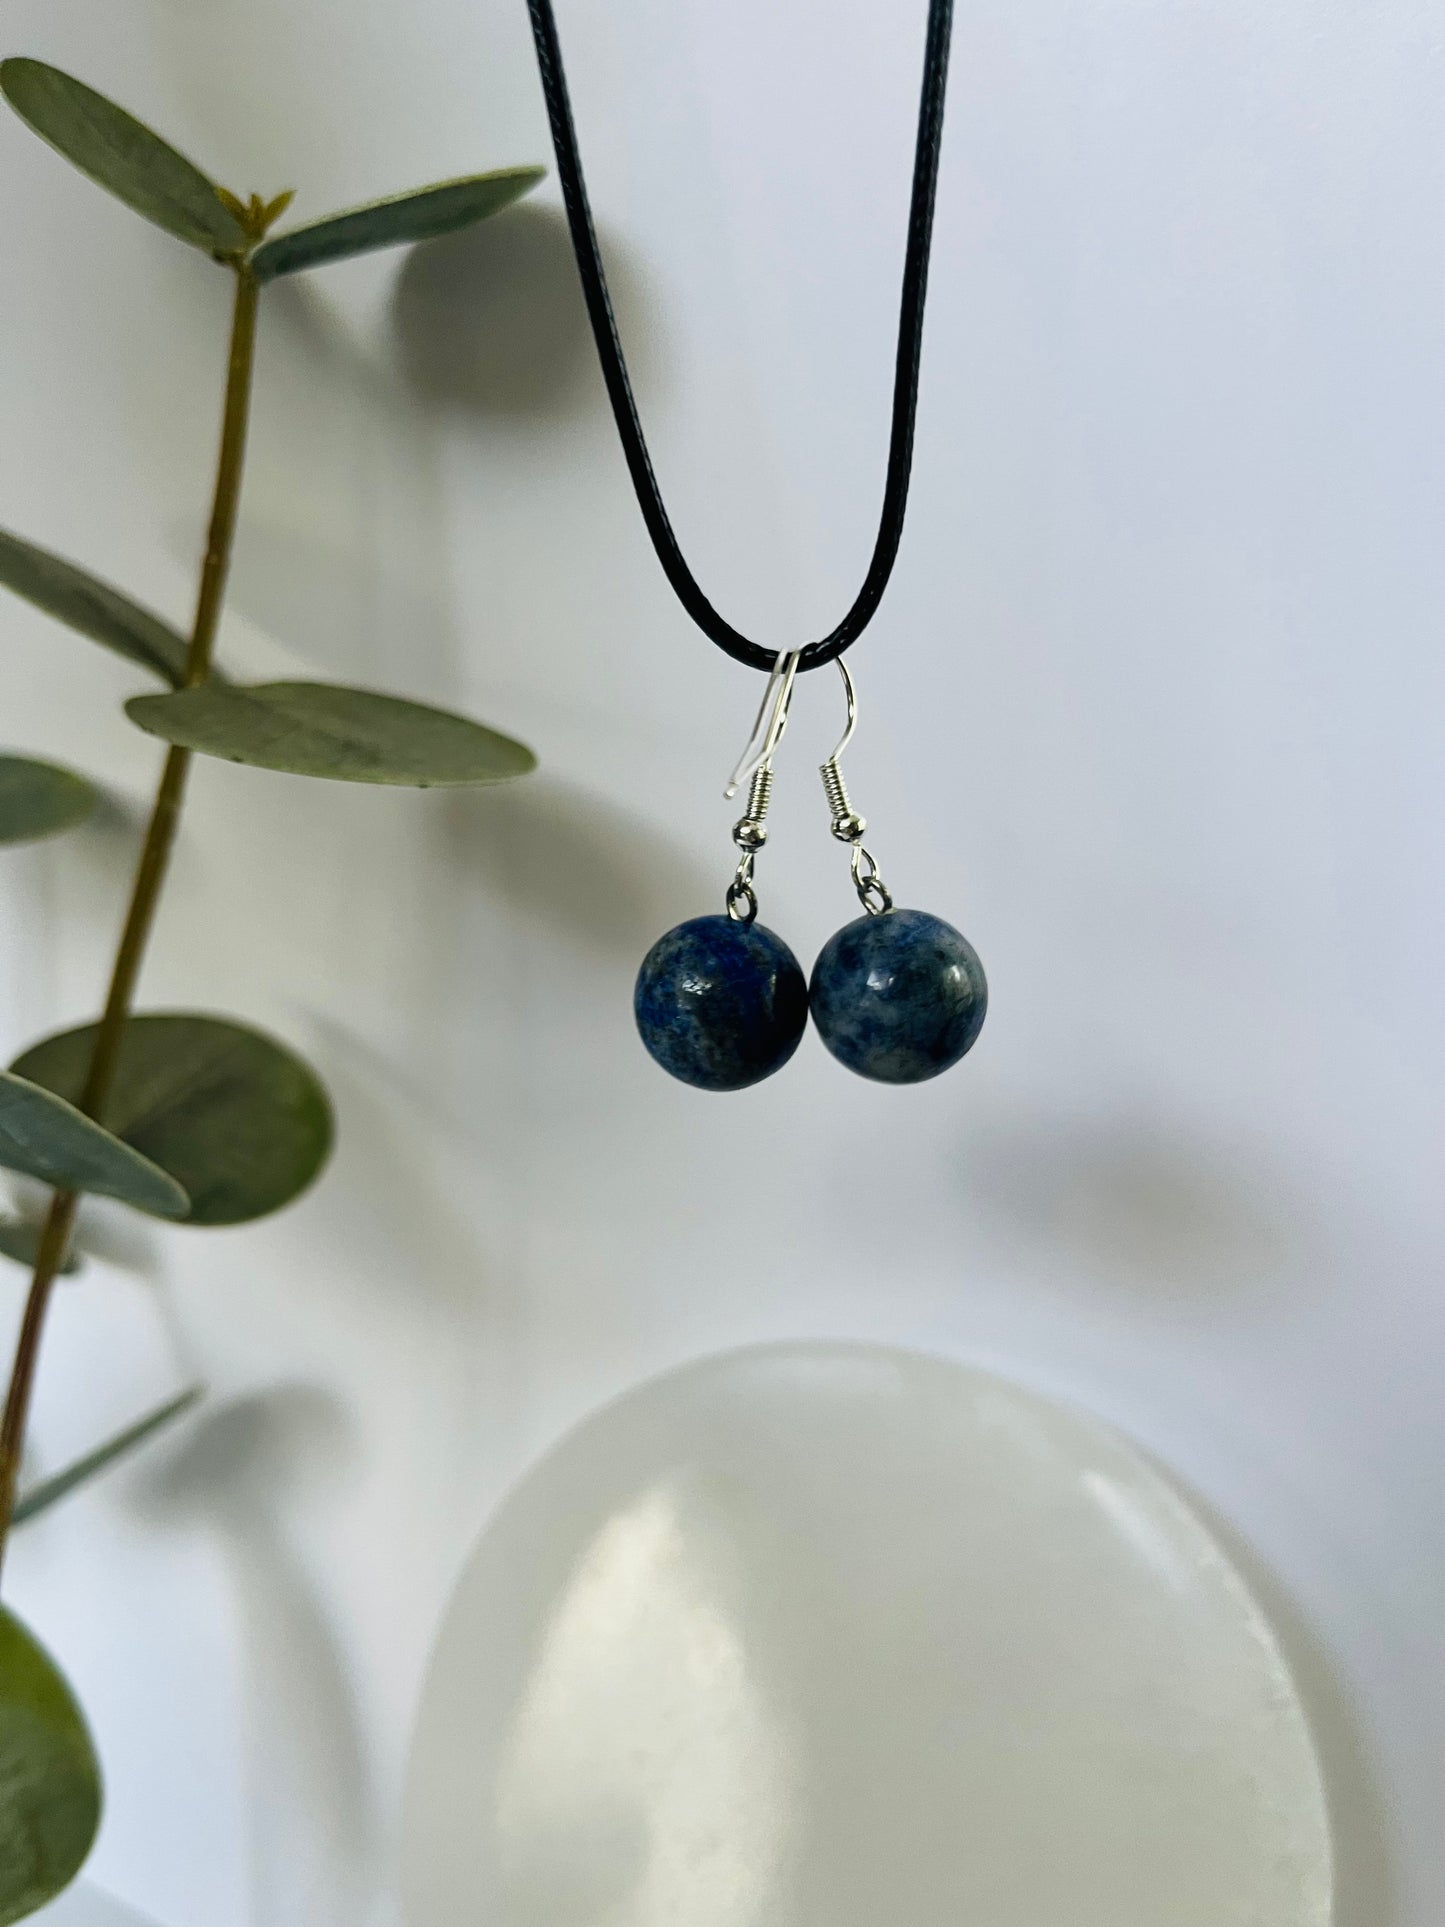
[
  {"x": 720, "y": 1004},
  {"x": 898, "y": 997}
]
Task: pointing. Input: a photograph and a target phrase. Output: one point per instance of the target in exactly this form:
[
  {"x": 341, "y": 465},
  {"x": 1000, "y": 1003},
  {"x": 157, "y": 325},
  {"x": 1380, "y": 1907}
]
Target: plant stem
[
  {"x": 145, "y": 891},
  {"x": 227, "y": 497}
]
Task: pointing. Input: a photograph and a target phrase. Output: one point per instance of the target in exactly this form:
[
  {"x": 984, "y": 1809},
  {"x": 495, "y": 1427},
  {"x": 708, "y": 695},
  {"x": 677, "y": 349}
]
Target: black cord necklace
[
  {"x": 721, "y": 1002},
  {"x": 619, "y": 386}
]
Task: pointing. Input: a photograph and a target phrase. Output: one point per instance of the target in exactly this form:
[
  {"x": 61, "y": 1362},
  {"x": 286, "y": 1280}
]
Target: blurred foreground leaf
[
  {"x": 240, "y": 1121},
  {"x": 122, "y": 154},
  {"x": 37, "y": 799},
  {"x": 44, "y": 1136},
  {"x": 49, "y": 1777}
]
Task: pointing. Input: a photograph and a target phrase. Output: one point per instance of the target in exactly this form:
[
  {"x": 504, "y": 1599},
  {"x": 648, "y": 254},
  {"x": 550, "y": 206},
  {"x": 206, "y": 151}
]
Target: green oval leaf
[
  {"x": 324, "y": 729},
  {"x": 122, "y": 154},
  {"x": 240, "y": 1121},
  {"x": 92, "y": 607},
  {"x": 37, "y": 799},
  {"x": 46, "y": 1137},
  {"x": 20, "y": 1240},
  {"x": 419, "y": 216},
  {"x": 49, "y": 1776},
  {"x": 41, "y": 1497}
]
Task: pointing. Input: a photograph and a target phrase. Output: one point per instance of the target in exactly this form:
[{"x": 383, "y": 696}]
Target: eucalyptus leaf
[
  {"x": 93, "y": 607},
  {"x": 46, "y": 1137},
  {"x": 325, "y": 729},
  {"x": 38, "y": 799},
  {"x": 419, "y": 216},
  {"x": 41, "y": 1497},
  {"x": 49, "y": 1776},
  {"x": 20, "y": 1240},
  {"x": 240, "y": 1121},
  {"x": 123, "y": 155}
]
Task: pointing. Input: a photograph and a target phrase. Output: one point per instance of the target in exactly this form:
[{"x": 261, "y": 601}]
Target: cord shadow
[
  {"x": 492, "y": 320},
  {"x": 577, "y": 865},
  {"x": 312, "y": 1809},
  {"x": 1142, "y": 1208}
]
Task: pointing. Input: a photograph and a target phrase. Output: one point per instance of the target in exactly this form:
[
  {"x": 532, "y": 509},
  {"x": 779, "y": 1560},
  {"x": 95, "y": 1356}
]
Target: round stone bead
[
  {"x": 720, "y": 1004},
  {"x": 898, "y": 997}
]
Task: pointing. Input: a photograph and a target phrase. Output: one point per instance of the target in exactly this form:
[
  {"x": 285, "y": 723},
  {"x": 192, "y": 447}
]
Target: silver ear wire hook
[
  {"x": 852, "y": 695},
  {"x": 771, "y": 721},
  {"x": 755, "y": 768},
  {"x": 847, "y": 825}
]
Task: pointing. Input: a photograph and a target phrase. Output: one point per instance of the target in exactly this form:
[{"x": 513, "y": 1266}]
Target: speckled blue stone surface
[
  {"x": 720, "y": 1004},
  {"x": 898, "y": 997}
]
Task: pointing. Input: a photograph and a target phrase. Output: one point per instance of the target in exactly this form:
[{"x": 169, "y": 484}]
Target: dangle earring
[
  {"x": 897, "y": 995},
  {"x": 721, "y": 1001}
]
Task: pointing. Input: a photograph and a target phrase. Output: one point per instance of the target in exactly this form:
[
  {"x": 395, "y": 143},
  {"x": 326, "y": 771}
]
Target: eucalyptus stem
[{"x": 146, "y": 889}]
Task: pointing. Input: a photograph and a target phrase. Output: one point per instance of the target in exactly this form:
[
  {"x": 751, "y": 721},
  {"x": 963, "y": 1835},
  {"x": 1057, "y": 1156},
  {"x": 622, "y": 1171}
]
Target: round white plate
[{"x": 836, "y": 1636}]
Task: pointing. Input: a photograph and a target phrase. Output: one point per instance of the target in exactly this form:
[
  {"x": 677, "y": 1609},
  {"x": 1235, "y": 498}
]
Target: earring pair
[{"x": 721, "y": 1001}]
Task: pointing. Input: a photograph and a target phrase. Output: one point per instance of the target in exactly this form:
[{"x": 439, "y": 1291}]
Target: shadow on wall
[
  {"x": 410, "y": 1227},
  {"x": 339, "y": 551},
  {"x": 311, "y": 1811},
  {"x": 82, "y": 1905},
  {"x": 1142, "y": 1206},
  {"x": 493, "y": 320},
  {"x": 320, "y": 599},
  {"x": 1359, "y": 1830},
  {"x": 347, "y": 574},
  {"x": 580, "y": 867},
  {"x": 489, "y": 322}
]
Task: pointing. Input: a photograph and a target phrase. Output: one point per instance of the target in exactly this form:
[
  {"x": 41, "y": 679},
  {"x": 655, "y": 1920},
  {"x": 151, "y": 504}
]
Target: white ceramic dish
[{"x": 834, "y": 1636}]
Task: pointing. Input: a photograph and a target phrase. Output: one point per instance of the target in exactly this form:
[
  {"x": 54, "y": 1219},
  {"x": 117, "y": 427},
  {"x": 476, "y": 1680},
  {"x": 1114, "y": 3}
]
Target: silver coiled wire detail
[
  {"x": 848, "y": 826},
  {"x": 750, "y": 833},
  {"x": 755, "y": 768}
]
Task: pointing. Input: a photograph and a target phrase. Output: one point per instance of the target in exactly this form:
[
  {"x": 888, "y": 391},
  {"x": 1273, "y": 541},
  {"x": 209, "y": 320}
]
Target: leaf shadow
[
  {"x": 337, "y": 555},
  {"x": 116, "y": 1236},
  {"x": 574, "y": 863},
  {"x": 237, "y": 1468},
  {"x": 388, "y": 1198},
  {"x": 103, "y": 849},
  {"x": 108, "y": 1232},
  {"x": 85, "y": 1905},
  {"x": 326, "y": 603},
  {"x": 492, "y": 320},
  {"x": 118, "y": 814}
]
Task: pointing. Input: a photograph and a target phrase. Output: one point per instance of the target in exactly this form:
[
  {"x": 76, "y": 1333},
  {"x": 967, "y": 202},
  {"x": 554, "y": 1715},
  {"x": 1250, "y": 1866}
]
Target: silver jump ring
[
  {"x": 873, "y": 893},
  {"x": 742, "y": 902}
]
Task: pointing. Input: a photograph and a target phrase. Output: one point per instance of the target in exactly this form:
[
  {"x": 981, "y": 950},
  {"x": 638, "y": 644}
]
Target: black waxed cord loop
[{"x": 619, "y": 386}]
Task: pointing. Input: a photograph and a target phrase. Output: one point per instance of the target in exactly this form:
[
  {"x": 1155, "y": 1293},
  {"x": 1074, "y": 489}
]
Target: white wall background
[{"x": 1151, "y": 711}]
